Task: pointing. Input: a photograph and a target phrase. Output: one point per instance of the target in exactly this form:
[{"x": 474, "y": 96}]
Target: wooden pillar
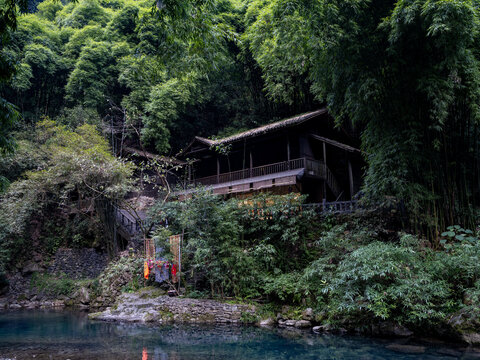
[
  {"x": 350, "y": 178},
  {"x": 244, "y": 150},
  {"x": 251, "y": 163},
  {"x": 324, "y": 170},
  {"x": 218, "y": 170},
  {"x": 288, "y": 152},
  {"x": 324, "y": 153},
  {"x": 288, "y": 148}
]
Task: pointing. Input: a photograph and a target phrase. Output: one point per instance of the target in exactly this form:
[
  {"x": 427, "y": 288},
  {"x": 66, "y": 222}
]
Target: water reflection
[{"x": 70, "y": 335}]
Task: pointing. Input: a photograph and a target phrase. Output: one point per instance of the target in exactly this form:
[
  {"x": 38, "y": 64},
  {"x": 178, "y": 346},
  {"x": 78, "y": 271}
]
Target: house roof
[
  {"x": 148, "y": 155},
  {"x": 335, "y": 143},
  {"x": 257, "y": 131}
]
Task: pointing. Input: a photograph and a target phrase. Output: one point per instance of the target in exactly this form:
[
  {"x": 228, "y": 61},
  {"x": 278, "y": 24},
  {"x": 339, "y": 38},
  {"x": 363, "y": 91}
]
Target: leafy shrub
[
  {"x": 390, "y": 282},
  {"x": 471, "y": 300},
  {"x": 125, "y": 274},
  {"x": 459, "y": 261},
  {"x": 287, "y": 287}
]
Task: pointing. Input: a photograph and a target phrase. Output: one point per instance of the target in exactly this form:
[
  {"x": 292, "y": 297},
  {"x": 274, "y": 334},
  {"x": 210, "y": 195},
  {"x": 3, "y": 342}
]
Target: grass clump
[{"x": 53, "y": 285}]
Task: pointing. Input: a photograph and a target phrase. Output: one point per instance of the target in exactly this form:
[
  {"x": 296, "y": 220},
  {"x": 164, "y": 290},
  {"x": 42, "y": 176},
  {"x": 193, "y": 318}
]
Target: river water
[{"x": 70, "y": 335}]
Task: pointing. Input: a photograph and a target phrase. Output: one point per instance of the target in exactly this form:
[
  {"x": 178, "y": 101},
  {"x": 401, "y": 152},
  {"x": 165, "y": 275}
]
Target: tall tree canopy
[{"x": 177, "y": 69}]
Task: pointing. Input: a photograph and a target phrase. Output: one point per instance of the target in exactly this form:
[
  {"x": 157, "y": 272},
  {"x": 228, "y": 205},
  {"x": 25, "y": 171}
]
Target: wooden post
[
  {"x": 244, "y": 151},
  {"x": 350, "y": 178},
  {"x": 180, "y": 260},
  {"x": 218, "y": 170},
  {"x": 251, "y": 163},
  {"x": 288, "y": 152},
  {"x": 324, "y": 153},
  {"x": 324, "y": 170}
]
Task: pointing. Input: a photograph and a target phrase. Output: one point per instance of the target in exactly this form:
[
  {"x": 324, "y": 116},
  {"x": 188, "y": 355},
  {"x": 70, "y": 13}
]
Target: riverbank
[{"x": 153, "y": 307}]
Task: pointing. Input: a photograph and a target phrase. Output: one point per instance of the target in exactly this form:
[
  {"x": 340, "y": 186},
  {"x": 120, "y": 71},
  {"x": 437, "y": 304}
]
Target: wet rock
[
  {"x": 32, "y": 305},
  {"x": 406, "y": 349},
  {"x": 58, "y": 303},
  {"x": 303, "y": 324},
  {"x": 267, "y": 322},
  {"x": 15, "y": 306},
  {"x": 322, "y": 328},
  {"x": 46, "y": 304},
  {"x": 307, "y": 314},
  {"x": 290, "y": 322},
  {"x": 465, "y": 326},
  {"x": 450, "y": 352},
  {"x": 388, "y": 328},
  {"x": 471, "y": 338},
  {"x": 82, "y": 296}
]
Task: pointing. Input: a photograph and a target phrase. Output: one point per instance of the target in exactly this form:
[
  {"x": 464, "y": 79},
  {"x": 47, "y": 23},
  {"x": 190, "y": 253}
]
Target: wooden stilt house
[{"x": 304, "y": 154}]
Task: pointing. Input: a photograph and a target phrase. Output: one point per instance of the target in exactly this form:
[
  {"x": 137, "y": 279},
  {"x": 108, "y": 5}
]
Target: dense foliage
[
  {"x": 233, "y": 244},
  {"x": 270, "y": 248},
  {"x": 61, "y": 177}
]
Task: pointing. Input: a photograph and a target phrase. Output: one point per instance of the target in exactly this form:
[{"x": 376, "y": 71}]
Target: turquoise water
[{"x": 70, "y": 335}]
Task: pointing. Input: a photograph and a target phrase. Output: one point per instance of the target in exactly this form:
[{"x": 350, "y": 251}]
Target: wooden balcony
[
  {"x": 262, "y": 176},
  {"x": 312, "y": 167}
]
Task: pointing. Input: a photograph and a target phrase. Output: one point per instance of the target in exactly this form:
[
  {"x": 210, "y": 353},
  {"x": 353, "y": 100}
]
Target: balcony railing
[
  {"x": 337, "y": 207},
  {"x": 314, "y": 167}
]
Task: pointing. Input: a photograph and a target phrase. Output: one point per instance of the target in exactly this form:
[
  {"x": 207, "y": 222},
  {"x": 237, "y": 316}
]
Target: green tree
[
  {"x": 94, "y": 78},
  {"x": 124, "y": 23},
  {"x": 84, "y": 13},
  {"x": 49, "y": 8}
]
